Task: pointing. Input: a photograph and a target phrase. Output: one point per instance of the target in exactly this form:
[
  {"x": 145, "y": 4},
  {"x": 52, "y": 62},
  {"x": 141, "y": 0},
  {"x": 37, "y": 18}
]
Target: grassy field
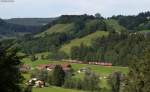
[
  {"x": 85, "y": 40},
  {"x": 57, "y": 29},
  {"x": 144, "y": 31},
  {"x": 54, "y": 89},
  {"x": 103, "y": 70}
]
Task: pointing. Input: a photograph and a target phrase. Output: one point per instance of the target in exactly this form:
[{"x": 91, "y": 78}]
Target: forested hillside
[
  {"x": 115, "y": 48},
  {"x": 8, "y": 30},
  {"x": 134, "y": 22},
  {"x": 30, "y": 21},
  {"x": 86, "y": 38},
  {"x": 65, "y": 29}
]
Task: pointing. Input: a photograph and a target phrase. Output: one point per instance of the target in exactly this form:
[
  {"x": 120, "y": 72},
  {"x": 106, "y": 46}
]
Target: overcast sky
[{"x": 53, "y": 8}]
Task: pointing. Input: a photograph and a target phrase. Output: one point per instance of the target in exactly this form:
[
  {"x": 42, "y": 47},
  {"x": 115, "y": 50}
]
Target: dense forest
[
  {"x": 136, "y": 22},
  {"x": 115, "y": 48}
]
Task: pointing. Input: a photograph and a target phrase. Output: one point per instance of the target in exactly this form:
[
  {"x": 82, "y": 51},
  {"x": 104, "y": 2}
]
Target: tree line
[{"x": 134, "y": 22}]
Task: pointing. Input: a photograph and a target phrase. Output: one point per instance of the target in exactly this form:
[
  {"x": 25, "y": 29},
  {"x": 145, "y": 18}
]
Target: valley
[{"x": 76, "y": 53}]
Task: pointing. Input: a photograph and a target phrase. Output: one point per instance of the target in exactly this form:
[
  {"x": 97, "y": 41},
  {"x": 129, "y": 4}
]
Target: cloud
[{"x": 52, "y": 8}]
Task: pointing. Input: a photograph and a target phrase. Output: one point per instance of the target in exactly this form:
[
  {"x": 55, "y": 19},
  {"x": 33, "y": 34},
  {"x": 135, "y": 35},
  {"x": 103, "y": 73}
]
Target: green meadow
[
  {"x": 103, "y": 71},
  {"x": 54, "y": 89},
  {"x": 87, "y": 40}
]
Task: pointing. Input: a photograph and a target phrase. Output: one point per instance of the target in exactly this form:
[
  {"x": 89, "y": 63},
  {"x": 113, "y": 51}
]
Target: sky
[{"x": 54, "y": 8}]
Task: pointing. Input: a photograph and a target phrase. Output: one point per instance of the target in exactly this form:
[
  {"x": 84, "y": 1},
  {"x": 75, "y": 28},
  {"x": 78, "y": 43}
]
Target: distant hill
[
  {"x": 9, "y": 30},
  {"x": 30, "y": 21},
  {"x": 16, "y": 27}
]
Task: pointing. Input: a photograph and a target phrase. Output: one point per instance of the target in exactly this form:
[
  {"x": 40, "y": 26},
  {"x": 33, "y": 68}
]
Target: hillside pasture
[
  {"x": 54, "y": 89},
  {"x": 87, "y": 40}
]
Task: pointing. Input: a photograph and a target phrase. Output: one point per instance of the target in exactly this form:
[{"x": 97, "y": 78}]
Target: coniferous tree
[
  {"x": 58, "y": 76},
  {"x": 138, "y": 79},
  {"x": 10, "y": 76},
  {"x": 91, "y": 81},
  {"x": 115, "y": 81}
]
